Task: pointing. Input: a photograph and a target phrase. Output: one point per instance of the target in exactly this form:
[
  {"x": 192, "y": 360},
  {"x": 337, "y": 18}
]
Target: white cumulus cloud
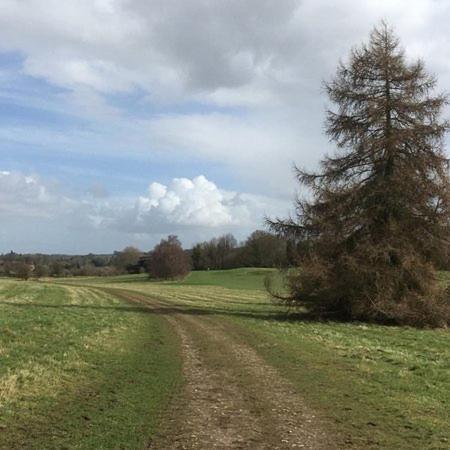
[
  {"x": 186, "y": 203},
  {"x": 194, "y": 209}
]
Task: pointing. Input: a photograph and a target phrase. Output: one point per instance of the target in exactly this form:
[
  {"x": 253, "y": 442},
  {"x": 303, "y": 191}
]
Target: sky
[{"x": 123, "y": 121}]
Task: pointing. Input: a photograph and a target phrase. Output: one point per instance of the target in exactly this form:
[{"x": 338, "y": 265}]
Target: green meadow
[{"x": 82, "y": 369}]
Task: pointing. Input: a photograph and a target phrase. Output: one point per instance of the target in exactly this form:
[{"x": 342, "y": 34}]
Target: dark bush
[{"x": 168, "y": 260}]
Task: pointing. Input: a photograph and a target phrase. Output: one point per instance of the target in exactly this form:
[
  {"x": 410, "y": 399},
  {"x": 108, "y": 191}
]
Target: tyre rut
[{"x": 232, "y": 398}]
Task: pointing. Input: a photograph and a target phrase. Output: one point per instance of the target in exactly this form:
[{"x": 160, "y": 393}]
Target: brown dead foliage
[{"x": 377, "y": 216}]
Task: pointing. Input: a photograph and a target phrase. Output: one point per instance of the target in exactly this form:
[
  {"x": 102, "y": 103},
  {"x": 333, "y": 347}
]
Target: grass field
[
  {"x": 376, "y": 386},
  {"x": 380, "y": 386},
  {"x": 80, "y": 369},
  {"x": 252, "y": 279}
]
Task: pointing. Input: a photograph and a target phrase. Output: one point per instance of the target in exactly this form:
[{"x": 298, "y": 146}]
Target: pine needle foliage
[{"x": 377, "y": 214}]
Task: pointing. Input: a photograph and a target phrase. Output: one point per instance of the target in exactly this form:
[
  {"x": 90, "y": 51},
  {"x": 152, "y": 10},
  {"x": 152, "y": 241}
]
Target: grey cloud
[
  {"x": 98, "y": 191},
  {"x": 28, "y": 196},
  {"x": 253, "y": 53},
  {"x": 194, "y": 47}
]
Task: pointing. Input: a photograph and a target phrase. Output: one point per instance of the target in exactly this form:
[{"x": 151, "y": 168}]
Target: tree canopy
[
  {"x": 168, "y": 260},
  {"x": 377, "y": 215}
]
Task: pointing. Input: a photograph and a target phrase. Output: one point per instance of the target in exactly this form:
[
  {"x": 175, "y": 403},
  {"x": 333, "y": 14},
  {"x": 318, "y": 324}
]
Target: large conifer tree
[{"x": 378, "y": 213}]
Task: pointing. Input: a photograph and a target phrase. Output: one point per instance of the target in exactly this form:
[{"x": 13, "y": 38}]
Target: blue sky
[
  {"x": 122, "y": 121},
  {"x": 54, "y": 144}
]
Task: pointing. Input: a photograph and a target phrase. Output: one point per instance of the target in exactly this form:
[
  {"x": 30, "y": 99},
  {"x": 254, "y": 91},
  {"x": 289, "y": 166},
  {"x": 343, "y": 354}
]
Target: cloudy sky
[{"x": 124, "y": 120}]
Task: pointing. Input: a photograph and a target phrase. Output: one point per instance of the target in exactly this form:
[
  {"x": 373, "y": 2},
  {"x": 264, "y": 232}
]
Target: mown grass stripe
[{"x": 80, "y": 371}]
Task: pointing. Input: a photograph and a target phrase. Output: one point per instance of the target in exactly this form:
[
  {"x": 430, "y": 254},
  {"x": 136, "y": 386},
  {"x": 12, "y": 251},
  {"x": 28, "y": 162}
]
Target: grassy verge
[
  {"x": 80, "y": 369},
  {"x": 380, "y": 387}
]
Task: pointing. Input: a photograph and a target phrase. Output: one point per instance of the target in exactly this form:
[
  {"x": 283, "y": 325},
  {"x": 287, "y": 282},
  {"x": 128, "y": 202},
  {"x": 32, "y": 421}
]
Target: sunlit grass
[
  {"x": 80, "y": 369},
  {"x": 380, "y": 387},
  {"x": 242, "y": 279}
]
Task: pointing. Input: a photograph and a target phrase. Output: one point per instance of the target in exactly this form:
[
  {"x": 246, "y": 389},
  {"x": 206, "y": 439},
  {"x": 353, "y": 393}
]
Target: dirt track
[{"x": 232, "y": 398}]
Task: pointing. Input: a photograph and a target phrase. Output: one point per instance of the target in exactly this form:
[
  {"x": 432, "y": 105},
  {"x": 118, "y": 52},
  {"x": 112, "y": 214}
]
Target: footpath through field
[{"x": 232, "y": 399}]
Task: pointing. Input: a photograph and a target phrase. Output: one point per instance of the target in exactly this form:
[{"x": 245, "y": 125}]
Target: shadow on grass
[{"x": 171, "y": 309}]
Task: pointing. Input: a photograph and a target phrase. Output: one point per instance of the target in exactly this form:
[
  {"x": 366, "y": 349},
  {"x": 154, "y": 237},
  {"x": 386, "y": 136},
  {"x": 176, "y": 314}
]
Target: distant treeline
[
  {"x": 260, "y": 249},
  {"x": 40, "y": 265}
]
